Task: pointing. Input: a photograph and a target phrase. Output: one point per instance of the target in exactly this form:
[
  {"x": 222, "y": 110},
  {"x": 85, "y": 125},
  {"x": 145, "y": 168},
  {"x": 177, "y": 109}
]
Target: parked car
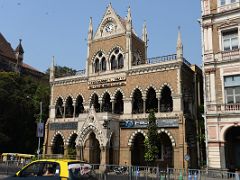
[{"x": 55, "y": 169}]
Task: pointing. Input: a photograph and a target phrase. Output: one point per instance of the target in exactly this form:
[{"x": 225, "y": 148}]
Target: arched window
[
  {"x": 103, "y": 64},
  {"x": 116, "y": 59},
  {"x": 79, "y": 106},
  {"x": 151, "y": 101},
  {"x": 118, "y": 108},
  {"x": 59, "y": 108},
  {"x": 96, "y": 65},
  {"x": 120, "y": 61},
  {"x": 100, "y": 63},
  {"x": 69, "y": 108},
  {"x": 58, "y": 145},
  {"x": 94, "y": 102},
  {"x": 106, "y": 103},
  {"x": 113, "y": 62},
  {"x": 137, "y": 104},
  {"x": 166, "y": 102}
]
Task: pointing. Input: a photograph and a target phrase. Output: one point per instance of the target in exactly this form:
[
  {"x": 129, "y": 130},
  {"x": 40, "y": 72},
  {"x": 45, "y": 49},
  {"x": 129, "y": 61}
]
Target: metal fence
[{"x": 116, "y": 172}]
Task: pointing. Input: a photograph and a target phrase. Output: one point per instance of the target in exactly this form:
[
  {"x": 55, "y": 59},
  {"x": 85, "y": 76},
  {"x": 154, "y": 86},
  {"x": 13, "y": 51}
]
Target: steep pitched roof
[{"x": 6, "y": 49}]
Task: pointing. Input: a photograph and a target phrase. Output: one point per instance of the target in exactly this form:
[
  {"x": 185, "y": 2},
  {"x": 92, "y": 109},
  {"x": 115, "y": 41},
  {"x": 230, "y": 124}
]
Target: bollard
[
  {"x": 180, "y": 175},
  {"x": 195, "y": 176},
  {"x": 236, "y": 176},
  {"x": 189, "y": 176}
]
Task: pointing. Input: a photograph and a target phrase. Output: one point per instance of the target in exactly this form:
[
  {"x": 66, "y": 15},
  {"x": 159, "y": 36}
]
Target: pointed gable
[
  {"x": 5, "y": 48},
  {"x": 111, "y": 24}
]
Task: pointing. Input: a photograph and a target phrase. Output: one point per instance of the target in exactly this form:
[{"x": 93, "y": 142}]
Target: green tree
[
  {"x": 61, "y": 71},
  {"x": 150, "y": 143},
  {"x": 18, "y": 113}
]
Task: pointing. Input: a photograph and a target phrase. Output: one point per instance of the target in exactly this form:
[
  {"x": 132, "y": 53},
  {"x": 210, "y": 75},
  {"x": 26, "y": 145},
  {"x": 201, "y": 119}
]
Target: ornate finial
[
  {"x": 90, "y": 30},
  {"x": 129, "y": 20},
  {"x": 144, "y": 32},
  {"x": 179, "y": 45}
]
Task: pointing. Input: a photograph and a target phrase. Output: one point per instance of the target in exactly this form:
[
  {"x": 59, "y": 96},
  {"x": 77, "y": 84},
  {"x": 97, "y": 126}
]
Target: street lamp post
[
  {"x": 39, "y": 132},
  {"x": 40, "y": 128}
]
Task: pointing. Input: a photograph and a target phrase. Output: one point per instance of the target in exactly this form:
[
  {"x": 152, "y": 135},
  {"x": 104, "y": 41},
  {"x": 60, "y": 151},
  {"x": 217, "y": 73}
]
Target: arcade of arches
[
  {"x": 92, "y": 150},
  {"x": 72, "y": 108}
]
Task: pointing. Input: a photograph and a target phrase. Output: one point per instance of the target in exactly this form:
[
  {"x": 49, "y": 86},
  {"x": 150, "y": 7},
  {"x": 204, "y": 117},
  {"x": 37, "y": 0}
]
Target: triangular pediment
[{"x": 111, "y": 24}]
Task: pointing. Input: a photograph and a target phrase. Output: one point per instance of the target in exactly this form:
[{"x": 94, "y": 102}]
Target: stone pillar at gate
[{"x": 104, "y": 158}]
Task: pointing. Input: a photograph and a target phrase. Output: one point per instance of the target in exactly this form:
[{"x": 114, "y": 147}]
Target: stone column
[
  {"x": 159, "y": 104},
  {"x": 64, "y": 109},
  {"x": 74, "y": 109},
  {"x": 65, "y": 150},
  {"x": 113, "y": 104},
  {"x": 79, "y": 151},
  {"x": 144, "y": 104},
  {"x": 104, "y": 158},
  {"x": 101, "y": 106}
]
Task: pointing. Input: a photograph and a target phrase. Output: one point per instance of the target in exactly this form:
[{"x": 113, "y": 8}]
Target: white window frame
[
  {"x": 226, "y": 2},
  {"x": 230, "y": 38},
  {"x": 227, "y": 29},
  {"x": 233, "y": 95}
]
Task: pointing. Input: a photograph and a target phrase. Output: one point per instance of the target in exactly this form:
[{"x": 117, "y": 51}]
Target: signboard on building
[{"x": 143, "y": 123}]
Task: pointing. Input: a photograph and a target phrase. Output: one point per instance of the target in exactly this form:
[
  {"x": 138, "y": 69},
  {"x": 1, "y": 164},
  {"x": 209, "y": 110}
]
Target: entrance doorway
[
  {"x": 232, "y": 148},
  {"x": 137, "y": 152},
  {"x": 94, "y": 149},
  {"x": 58, "y": 145}
]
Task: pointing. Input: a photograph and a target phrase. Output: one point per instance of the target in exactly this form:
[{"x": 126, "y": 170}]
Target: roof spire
[
  {"x": 129, "y": 20},
  {"x": 90, "y": 30},
  {"x": 19, "y": 48},
  {"x": 179, "y": 45},
  {"x": 52, "y": 70},
  {"x": 144, "y": 33}
]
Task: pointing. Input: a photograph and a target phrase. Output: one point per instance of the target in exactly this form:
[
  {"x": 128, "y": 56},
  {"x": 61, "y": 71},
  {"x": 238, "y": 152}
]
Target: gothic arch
[
  {"x": 79, "y": 94},
  {"x": 130, "y": 140},
  {"x": 103, "y": 93},
  {"x": 54, "y": 136},
  {"x": 115, "y": 46},
  {"x": 118, "y": 89},
  {"x": 69, "y": 137},
  {"x": 70, "y": 95},
  {"x": 169, "y": 135},
  {"x": 168, "y": 85},
  {"x": 151, "y": 86},
  {"x": 90, "y": 97},
  {"x": 140, "y": 89},
  {"x": 56, "y": 99},
  {"x": 86, "y": 131},
  {"x": 96, "y": 53}
]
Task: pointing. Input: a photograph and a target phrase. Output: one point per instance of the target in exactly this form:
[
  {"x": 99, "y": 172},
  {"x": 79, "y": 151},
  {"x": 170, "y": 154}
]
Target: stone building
[
  {"x": 101, "y": 114},
  {"x": 12, "y": 60},
  {"x": 220, "y": 25}
]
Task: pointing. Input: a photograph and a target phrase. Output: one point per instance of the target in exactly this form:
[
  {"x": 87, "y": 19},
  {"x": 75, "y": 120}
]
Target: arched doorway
[
  {"x": 94, "y": 149},
  {"x": 72, "y": 146},
  {"x": 138, "y": 149},
  {"x": 165, "y": 151},
  {"x": 232, "y": 148},
  {"x": 58, "y": 145}
]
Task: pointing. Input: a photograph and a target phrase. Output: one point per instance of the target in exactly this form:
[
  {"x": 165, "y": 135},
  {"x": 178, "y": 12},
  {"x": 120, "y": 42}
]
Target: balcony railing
[
  {"x": 228, "y": 7},
  {"x": 223, "y": 107},
  {"x": 225, "y": 56}
]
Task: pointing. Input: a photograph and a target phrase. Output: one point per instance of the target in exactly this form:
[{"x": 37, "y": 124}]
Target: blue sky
[{"x": 59, "y": 27}]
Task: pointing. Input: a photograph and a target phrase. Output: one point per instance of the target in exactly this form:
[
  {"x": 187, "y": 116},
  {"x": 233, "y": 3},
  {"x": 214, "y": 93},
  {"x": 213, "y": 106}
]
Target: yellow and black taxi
[{"x": 55, "y": 169}]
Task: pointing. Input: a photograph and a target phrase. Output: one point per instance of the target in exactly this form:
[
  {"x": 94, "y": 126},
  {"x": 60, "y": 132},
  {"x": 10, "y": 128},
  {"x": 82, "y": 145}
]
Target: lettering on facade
[
  {"x": 63, "y": 126},
  {"x": 104, "y": 83},
  {"x": 143, "y": 123}
]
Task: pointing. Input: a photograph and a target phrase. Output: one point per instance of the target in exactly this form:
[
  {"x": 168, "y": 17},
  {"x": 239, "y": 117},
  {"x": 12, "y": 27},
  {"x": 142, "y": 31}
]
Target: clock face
[{"x": 109, "y": 27}]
